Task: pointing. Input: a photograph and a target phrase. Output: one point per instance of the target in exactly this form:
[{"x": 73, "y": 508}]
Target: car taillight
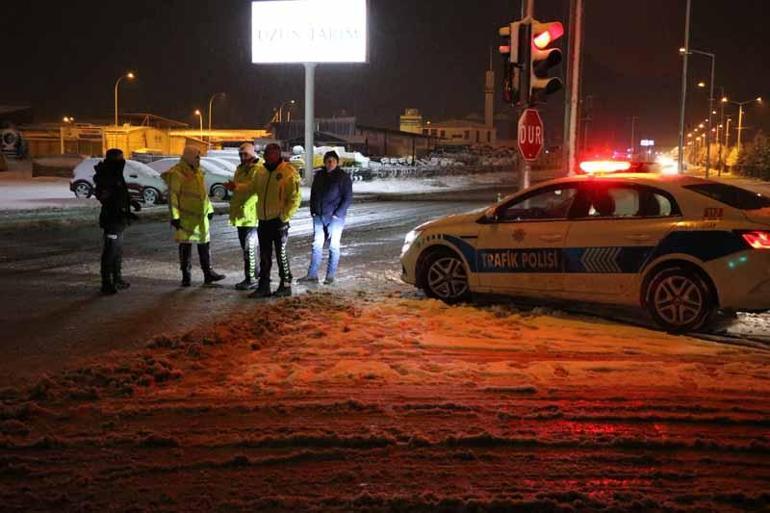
[{"x": 757, "y": 240}]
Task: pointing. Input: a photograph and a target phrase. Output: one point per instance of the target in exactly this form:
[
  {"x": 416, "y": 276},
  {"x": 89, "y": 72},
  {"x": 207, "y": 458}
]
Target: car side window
[
  {"x": 620, "y": 202},
  {"x": 549, "y": 204}
]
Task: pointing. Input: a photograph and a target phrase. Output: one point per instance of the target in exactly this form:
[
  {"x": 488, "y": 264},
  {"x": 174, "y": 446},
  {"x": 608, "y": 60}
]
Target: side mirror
[{"x": 490, "y": 215}]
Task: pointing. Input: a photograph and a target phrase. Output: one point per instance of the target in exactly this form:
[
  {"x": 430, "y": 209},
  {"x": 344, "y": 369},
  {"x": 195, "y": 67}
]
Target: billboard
[{"x": 300, "y": 31}]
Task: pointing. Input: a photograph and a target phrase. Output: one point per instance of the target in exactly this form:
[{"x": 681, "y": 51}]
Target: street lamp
[
  {"x": 710, "y": 101},
  {"x": 200, "y": 118},
  {"x": 129, "y": 76},
  {"x": 280, "y": 110},
  {"x": 684, "y": 51},
  {"x": 740, "y": 105},
  {"x": 211, "y": 102}
]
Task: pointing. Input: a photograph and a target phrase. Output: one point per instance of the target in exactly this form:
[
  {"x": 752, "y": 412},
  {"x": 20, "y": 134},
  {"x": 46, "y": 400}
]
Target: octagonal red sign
[{"x": 531, "y": 134}]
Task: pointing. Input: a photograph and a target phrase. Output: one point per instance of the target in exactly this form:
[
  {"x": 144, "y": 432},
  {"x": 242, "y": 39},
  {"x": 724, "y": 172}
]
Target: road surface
[{"x": 370, "y": 398}]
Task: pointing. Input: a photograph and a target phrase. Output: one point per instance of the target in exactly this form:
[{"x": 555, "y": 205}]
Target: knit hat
[{"x": 114, "y": 154}]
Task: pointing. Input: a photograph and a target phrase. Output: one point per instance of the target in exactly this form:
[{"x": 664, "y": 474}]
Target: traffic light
[
  {"x": 542, "y": 58},
  {"x": 513, "y": 49}
]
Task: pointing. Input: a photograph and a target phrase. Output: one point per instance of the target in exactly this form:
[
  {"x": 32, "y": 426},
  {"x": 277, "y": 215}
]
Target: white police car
[{"x": 681, "y": 247}]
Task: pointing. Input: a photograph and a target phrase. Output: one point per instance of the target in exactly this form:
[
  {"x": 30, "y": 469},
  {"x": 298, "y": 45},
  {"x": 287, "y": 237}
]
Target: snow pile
[{"x": 346, "y": 403}]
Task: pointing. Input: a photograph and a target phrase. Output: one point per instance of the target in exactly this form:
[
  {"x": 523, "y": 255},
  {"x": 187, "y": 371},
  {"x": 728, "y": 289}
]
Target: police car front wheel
[
  {"x": 679, "y": 299},
  {"x": 445, "y": 277}
]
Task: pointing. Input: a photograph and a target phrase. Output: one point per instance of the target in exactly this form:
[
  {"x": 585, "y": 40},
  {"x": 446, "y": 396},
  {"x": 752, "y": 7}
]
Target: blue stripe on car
[{"x": 703, "y": 245}]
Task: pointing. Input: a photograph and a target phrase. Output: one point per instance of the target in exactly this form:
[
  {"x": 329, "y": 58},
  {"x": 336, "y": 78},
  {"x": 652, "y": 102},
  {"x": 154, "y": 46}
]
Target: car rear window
[{"x": 731, "y": 195}]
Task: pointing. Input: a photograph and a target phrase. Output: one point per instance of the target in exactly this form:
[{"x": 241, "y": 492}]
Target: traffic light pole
[
  {"x": 571, "y": 111},
  {"x": 525, "y": 177}
]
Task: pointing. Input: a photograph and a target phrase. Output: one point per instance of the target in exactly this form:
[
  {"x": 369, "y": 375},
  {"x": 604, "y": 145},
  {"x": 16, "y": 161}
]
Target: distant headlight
[{"x": 408, "y": 240}]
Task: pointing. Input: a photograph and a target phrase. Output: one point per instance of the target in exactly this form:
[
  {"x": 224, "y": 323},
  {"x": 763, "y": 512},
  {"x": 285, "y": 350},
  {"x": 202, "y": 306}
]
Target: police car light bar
[
  {"x": 757, "y": 240},
  {"x": 604, "y": 166}
]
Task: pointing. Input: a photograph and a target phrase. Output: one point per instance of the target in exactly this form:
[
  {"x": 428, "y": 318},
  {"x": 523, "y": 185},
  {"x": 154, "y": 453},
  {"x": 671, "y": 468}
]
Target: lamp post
[
  {"x": 129, "y": 76},
  {"x": 710, "y": 102},
  {"x": 200, "y": 118},
  {"x": 280, "y": 110},
  {"x": 685, "y": 51},
  {"x": 740, "y": 105},
  {"x": 211, "y": 103}
]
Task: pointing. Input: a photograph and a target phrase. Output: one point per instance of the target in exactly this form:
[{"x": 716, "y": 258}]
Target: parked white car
[
  {"x": 228, "y": 155},
  {"x": 138, "y": 176},
  {"x": 215, "y": 176}
]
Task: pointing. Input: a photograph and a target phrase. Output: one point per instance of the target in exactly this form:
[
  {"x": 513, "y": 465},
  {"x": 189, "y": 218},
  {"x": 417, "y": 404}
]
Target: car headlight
[{"x": 409, "y": 240}]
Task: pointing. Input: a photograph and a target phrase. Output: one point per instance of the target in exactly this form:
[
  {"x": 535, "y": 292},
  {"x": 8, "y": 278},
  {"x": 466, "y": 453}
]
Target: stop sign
[{"x": 530, "y": 134}]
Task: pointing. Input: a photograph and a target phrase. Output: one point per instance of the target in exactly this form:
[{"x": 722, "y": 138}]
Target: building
[
  {"x": 347, "y": 132},
  {"x": 411, "y": 121},
  {"x": 150, "y": 134},
  {"x": 458, "y": 132}
]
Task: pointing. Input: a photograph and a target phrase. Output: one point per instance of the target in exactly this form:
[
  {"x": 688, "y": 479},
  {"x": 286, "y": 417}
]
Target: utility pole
[
  {"x": 309, "y": 117},
  {"x": 572, "y": 96},
  {"x": 721, "y": 126},
  {"x": 685, "y": 56},
  {"x": 633, "y": 135}
]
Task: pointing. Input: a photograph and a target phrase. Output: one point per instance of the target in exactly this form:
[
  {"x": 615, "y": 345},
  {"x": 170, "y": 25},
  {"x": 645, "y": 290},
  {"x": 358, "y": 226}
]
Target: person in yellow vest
[
  {"x": 277, "y": 185},
  {"x": 191, "y": 211},
  {"x": 243, "y": 212}
]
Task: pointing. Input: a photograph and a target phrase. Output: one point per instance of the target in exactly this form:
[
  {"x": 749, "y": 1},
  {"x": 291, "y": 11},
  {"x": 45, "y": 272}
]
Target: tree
[{"x": 754, "y": 160}]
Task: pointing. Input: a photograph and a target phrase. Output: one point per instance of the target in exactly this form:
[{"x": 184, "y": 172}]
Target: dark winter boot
[
  {"x": 209, "y": 274},
  {"x": 108, "y": 288},
  {"x": 246, "y": 284},
  {"x": 283, "y": 290},
  {"x": 263, "y": 290},
  {"x": 185, "y": 263},
  {"x": 117, "y": 276},
  {"x": 249, "y": 265}
]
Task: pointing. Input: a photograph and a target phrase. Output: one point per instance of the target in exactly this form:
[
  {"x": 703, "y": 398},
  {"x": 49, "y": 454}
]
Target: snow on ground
[
  {"x": 353, "y": 402},
  {"x": 20, "y": 191}
]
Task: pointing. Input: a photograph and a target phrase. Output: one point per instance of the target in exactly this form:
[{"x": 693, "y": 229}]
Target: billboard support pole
[{"x": 309, "y": 117}]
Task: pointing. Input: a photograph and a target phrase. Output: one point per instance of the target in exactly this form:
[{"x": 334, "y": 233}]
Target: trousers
[
  {"x": 112, "y": 256},
  {"x": 331, "y": 231},
  {"x": 273, "y": 234},
  {"x": 247, "y": 236}
]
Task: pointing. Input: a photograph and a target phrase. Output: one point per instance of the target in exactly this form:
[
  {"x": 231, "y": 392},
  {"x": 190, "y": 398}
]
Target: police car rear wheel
[
  {"x": 679, "y": 300},
  {"x": 446, "y": 278}
]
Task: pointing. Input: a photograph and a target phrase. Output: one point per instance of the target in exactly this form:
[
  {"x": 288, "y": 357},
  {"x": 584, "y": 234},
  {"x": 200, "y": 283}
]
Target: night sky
[{"x": 63, "y": 58}]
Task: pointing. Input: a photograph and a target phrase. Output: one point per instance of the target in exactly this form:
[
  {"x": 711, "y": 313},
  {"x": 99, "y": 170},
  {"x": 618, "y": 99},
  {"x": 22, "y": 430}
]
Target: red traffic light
[{"x": 546, "y": 33}]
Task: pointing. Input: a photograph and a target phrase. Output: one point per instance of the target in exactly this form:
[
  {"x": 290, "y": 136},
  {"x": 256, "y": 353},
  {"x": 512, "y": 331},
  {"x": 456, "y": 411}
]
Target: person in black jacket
[
  {"x": 112, "y": 192},
  {"x": 330, "y": 197}
]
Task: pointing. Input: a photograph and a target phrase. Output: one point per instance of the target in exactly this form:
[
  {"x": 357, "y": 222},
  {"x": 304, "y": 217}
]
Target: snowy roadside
[
  {"x": 43, "y": 201},
  {"x": 358, "y": 402}
]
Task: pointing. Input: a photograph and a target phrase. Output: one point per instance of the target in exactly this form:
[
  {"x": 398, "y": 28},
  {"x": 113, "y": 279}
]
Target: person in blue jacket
[{"x": 330, "y": 197}]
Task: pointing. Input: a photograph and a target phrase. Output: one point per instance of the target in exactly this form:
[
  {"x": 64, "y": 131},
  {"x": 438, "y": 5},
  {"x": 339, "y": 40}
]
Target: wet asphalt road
[{"x": 53, "y": 315}]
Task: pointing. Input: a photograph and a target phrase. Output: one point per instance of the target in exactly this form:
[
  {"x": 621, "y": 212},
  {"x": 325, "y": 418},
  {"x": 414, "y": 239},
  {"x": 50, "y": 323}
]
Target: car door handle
[
  {"x": 638, "y": 237},
  {"x": 133, "y": 176},
  {"x": 551, "y": 237}
]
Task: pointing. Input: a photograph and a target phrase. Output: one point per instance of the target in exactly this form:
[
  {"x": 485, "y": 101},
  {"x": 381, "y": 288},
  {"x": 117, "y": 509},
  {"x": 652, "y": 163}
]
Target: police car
[{"x": 678, "y": 246}]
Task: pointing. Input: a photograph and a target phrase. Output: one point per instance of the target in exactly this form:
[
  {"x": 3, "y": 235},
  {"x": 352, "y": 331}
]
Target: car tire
[
  {"x": 219, "y": 192},
  {"x": 680, "y": 299},
  {"x": 82, "y": 190},
  {"x": 150, "y": 196},
  {"x": 444, "y": 277}
]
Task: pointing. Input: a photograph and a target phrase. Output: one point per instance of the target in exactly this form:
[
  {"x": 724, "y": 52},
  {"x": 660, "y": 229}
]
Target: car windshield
[{"x": 731, "y": 195}]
